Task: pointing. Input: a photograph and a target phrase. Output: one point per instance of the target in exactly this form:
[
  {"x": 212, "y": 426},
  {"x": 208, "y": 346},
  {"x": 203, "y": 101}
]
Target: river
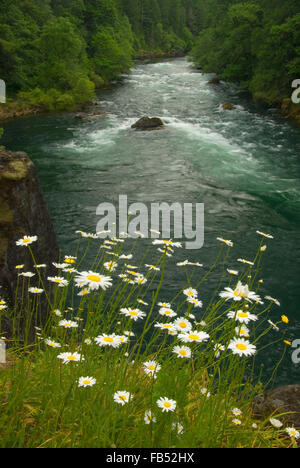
[{"x": 244, "y": 165}]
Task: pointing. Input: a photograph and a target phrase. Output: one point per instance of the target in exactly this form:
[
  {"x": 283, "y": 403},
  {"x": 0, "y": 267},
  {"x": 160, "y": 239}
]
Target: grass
[{"x": 44, "y": 406}]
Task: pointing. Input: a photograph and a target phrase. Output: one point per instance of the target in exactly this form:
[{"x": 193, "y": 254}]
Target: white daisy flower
[
  {"x": 152, "y": 267},
  {"x": 70, "y": 357},
  {"x": 110, "y": 266},
  {"x": 242, "y": 347},
  {"x": 135, "y": 314},
  {"x": 237, "y": 422},
  {"x": 121, "y": 397},
  {"x": 27, "y": 274},
  {"x": 108, "y": 340},
  {"x": 167, "y": 326},
  {"x": 68, "y": 324},
  {"x": 242, "y": 331},
  {"x": 218, "y": 349},
  {"x": 182, "y": 351},
  {"x": 126, "y": 257},
  {"x": 227, "y": 242},
  {"x": 195, "y": 302},
  {"x": 233, "y": 272},
  {"x": 272, "y": 299},
  {"x": 205, "y": 392},
  {"x": 265, "y": 235},
  {"x": 19, "y": 267},
  {"x": 151, "y": 367},
  {"x": 60, "y": 266},
  {"x": 273, "y": 325},
  {"x": 84, "y": 292},
  {"x": 164, "y": 304},
  {"x": 140, "y": 301},
  {"x": 167, "y": 243},
  {"x": 86, "y": 382},
  {"x": 168, "y": 312},
  {"x": 61, "y": 282},
  {"x": 93, "y": 280},
  {"x": 41, "y": 265},
  {"x": 240, "y": 292},
  {"x": 140, "y": 279},
  {"x": 236, "y": 412},
  {"x": 176, "y": 426},
  {"x": 149, "y": 417},
  {"x": 182, "y": 324},
  {"x": 35, "y": 290},
  {"x": 241, "y": 316},
  {"x": 27, "y": 240},
  {"x": 166, "y": 404},
  {"x": 190, "y": 292},
  {"x": 88, "y": 341},
  {"x": 293, "y": 433},
  {"x": 193, "y": 337},
  {"x": 242, "y": 260},
  {"x": 52, "y": 343}
]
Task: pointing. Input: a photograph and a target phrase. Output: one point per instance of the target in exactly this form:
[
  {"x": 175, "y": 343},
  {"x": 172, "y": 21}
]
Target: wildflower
[
  {"x": 182, "y": 351},
  {"x": 70, "y": 357},
  {"x": 86, "y": 382},
  {"x": 140, "y": 279},
  {"x": 27, "y": 274},
  {"x": 165, "y": 252},
  {"x": 193, "y": 336},
  {"x": 69, "y": 259},
  {"x": 19, "y": 267},
  {"x": 83, "y": 292},
  {"x": 240, "y": 292},
  {"x": 187, "y": 263},
  {"x": 60, "y": 266},
  {"x": 182, "y": 324},
  {"x": 128, "y": 333},
  {"x": 190, "y": 292},
  {"x": 293, "y": 433},
  {"x": 276, "y": 423},
  {"x": 27, "y": 240},
  {"x": 218, "y": 348},
  {"x": 3, "y": 306},
  {"x": 242, "y": 331},
  {"x": 233, "y": 272},
  {"x": 227, "y": 242},
  {"x": 242, "y": 347},
  {"x": 168, "y": 243},
  {"x": 57, "y": 312},
  {"x": 176, "y": 426},
  {"x": 164, "y": 304},
  {"x": 126, "y": 257},
  {"x": 152, "y": 267},
  {"x": 61, "y": 282},
  {"x": 149, "y": 418},
  {"x": 241, "y": 316},
  {"x": 135, "y": 314},
  {"x": 140, "y": 301},
  {"x": 247, "y": 262},
  {"x": 87, "y": 235},
  {"x": 151, "y": 367},
  {"x": 237, "y": 422},
  {"x": 122, "y": 397},
  {"x": 284, "y": 319},
  {"x": 263, "y": 248},
  {"x": 205, "y": 392},
  {"x": 108, "y": 340},
  {"x": 69, "y": 270},
  {"x": 269, "y": 298},
  {"x": 41, "y": 265},
  {"x": 265, "y": 235},
  {"x": 236, "y": 412},
  {"x": 288, "y": 343},
  {"x": 167, "y": 311},
  {"x": 110, "y": 266},
  {"x": 273, "y": 325},
  {"x": 167, "y": 326},
  {"x": 68, "y": 324},
  {"x": 88, "y": 341},
  {"x": 93, "y": 280},
  {"x": 35, "y": 290},
  {"x": 166, "y": 404},
  {"x": 195, "y": 302},
  {"x": 52, "y": 343}
]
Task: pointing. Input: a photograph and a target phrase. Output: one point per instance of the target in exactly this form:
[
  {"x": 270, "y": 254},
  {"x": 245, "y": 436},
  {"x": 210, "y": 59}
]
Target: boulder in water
[
  {"x": 215, "y": 80},
  {"x": 148, "y": 123},
  {"x": 228, "y": 106}
]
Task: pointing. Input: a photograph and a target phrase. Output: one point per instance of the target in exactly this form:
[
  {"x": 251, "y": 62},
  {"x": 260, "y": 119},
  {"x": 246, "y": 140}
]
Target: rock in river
[{"x": 148, "y": 123}]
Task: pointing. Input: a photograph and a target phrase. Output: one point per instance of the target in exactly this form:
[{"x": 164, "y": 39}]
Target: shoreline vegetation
[
  {"x": 113, "y": 365},
  {"x": 53, "y": 57}
]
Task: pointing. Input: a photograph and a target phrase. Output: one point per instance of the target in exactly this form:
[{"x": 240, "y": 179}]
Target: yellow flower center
[
  {"x": 182, "y": 352},
  {"x": 25, "y": 241},
  {"x": 132, "y": 312},
  {"x": 94, "y": 278},
  {"x": 69, "y": 260},
  {"x": 108, "y": 339},
  {"x": 86, "y": 382},
  {"x": 242, "y": 314},
  {"x": 151, "y": 367},
  {"x": 122, "y": 397},
  {"x": 182, "y": 324},
  {"x": 167, "y": 404},
  {"x": 193, "y": 337},
  {"x": 241, "y": 347},
  {"x": 71, "y": 358}
]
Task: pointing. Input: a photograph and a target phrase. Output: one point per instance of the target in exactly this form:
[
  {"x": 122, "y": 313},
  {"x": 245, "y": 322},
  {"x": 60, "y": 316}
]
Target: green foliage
[
  {"x": 73, "y": 46},
  {"x": 253, "y": 43}
]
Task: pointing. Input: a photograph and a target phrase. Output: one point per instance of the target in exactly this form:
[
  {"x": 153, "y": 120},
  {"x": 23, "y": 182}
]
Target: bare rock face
[
  {"x": 23, "y": 211},
  {"x": 282, "y": 400},
  {"x": 147, "y": 123}
]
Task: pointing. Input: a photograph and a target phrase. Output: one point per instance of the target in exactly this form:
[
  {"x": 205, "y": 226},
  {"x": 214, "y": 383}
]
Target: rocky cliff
[{"x": 23, "y": 211}]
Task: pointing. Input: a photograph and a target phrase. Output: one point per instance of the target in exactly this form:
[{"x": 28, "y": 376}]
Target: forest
[{"x": 55, "y": 53}]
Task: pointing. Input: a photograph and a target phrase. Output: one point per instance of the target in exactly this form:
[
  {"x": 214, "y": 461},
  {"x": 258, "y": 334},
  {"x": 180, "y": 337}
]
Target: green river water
[{"x": 244, "y": 165}]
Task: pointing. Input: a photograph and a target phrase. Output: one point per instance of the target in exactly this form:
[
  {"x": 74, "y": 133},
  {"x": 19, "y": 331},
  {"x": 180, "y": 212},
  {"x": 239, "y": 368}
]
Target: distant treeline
[
  {"x": 254, "y": 43},
  {"x": 54, "y": 53}
]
